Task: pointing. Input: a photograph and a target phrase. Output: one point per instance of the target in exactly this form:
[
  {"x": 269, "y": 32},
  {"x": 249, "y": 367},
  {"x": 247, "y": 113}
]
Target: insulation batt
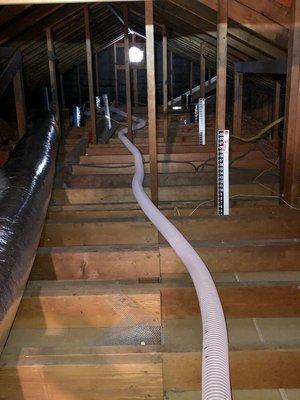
[{"x": 25, "y": 189}]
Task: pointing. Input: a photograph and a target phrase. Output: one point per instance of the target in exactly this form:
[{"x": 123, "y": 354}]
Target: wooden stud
[
  {"x": 53, "y": 76},
  {"x": 20, "y": 102},
  {"x": 135, "y": 87},
  {"x": 97, "y": 74},
  {"x": 151, "y": 95},
  {"x": 191, "y": 78},
  {"x": 135, "y": 81},
  {"x": 238, "y": 104},
  {"x": 291, "y": 144},
  {"x": 10, "y": 70},
  {"x": 165, "y": 81},
  {"x": 202, "y": 71},
  {"x": 127, "y": 73},
  {"x": 221, "y": 72},
  {"x": 89, "y": 57},
  {"x": 276, "y": 105},
  {"x": 116, "y": 76},
  {"x": 171, "y": 76},
  {"x": 221, "y": 64}
]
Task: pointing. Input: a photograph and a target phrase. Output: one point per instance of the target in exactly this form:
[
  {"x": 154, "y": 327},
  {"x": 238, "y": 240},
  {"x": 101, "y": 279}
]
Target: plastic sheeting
[{"x": 25, "y": 189}]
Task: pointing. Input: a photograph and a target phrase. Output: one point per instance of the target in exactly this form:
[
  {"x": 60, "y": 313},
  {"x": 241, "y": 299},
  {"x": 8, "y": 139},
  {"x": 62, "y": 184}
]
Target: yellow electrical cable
[{"x": 260, "y": 133}]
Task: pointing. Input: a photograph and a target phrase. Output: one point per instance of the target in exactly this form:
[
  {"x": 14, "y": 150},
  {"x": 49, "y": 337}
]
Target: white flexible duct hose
[{"x": 215, "y": 363}]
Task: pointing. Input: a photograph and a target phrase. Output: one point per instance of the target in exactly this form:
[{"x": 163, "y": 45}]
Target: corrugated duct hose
[
  {"x": 25, "y": 189},
  {"x": 215, "y": 362}
]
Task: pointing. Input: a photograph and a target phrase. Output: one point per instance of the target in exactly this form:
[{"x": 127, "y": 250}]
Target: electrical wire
[{"x": 260, "y": 133}]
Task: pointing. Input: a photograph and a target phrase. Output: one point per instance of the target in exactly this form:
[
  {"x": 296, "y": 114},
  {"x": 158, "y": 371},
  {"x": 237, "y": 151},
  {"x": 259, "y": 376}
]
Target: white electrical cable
[{"x": 215, "y": 360}]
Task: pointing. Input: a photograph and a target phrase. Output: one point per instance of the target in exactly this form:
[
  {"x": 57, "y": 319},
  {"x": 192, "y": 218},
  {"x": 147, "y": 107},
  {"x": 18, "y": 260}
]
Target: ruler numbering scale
[
  {"x": 201, "y": 120},
  {"x": 222, "y": 143}
]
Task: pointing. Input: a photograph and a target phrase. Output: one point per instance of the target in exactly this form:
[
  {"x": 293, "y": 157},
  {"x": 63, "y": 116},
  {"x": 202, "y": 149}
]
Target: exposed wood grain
[
  {"x": 10, "y": 71},
  {"x": 291, "y": 143},
  {"x": 202, "y": 71},
  {"x": 165, "y": 80},
  {"x": 127, "y": 72},
  {"x": 221, "y": 64},
  {"x": 237, "y": 302},
  {"x": 238, "y": 104},
  {"x": 90, "y": 71},
  {"x": 20, "y": 102},
  {"x": 151, "y": 96},
  {"x": 53, "y": 75},
  {"x": 249, "y": 369},
  {"x": 90, "y": 310}
]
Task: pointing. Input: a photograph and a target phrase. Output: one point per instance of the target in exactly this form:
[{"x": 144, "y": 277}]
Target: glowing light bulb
[{"x": 136, "y": 55}]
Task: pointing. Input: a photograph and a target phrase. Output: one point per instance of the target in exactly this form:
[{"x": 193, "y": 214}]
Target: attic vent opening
[{"x": 136, "y": 55}]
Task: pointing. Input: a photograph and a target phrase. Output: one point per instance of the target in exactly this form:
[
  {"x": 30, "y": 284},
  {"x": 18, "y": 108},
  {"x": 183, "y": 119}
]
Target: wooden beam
[
  {"x": 276, "y": 104},
  {"x": 253, "y": 21},
  {"x": 53, "y": 76},
  {"x": 20, "y": 102},
  {"x": 221, "y": 74},
  {"x": 191, "y": 78},
  {"x": 202, "y": 71},
  {"x": 89, "y": 59},
  {"x": 239, "y": 38},
  {"x": 262, "y": 66},
  {"x": 171, "y": 72},
  {"x": 221, "y": 64},
  {"x": 151, "y": 96},
  {"x": 238, "y": 104},
  {"x": 62, "y": 90},
  {"x": 33, "y": 18},
  {"x": 165, "y": 80},
  {"x": 116, "y": 76},
  {"x": 127, "y": 72},
  {"x": 78, "y": 81},
  {"x": 97, "y": 74},
  {"x": 10, "y": 71},
  {"x": 291, "y": 143},
  {"x": 135, "y": 79}
]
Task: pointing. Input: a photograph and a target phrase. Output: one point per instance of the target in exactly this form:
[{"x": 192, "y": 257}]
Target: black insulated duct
[{"x": 25, "y": 189}]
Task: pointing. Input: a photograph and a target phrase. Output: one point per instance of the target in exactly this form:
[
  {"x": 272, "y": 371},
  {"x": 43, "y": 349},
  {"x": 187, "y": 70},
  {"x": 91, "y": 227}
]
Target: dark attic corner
[{"x": 149, "y": 200}]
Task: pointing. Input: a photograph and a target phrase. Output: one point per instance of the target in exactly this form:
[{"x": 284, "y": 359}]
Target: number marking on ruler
[{"x": 222, "y": 144}]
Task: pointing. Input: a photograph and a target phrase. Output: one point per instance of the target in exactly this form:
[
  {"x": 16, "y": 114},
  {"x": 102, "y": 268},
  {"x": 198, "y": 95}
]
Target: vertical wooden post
[
  {"x": 89, "y": 59},
  {"x": 276, "y": 104},
  {"x": 291, "y": 144},
  {"x": 53, "y": 76},
  {"x": 165, "y": 81},
  {"x": 202, "y": 71},
  {"x": 151, "y": 100},
  {"x": 238, "y": 104},
  {"x": 135, "y": 80},
  {"x": 62, "y": 90},
  {"x": 97, "y": 74},
  {"x": 78, "y": 84},
  {"x": 116, "y": 76},
  {"x": 221, "y": 74},
  {"x": 191, "y": 79},
  {"x": 127, "y": 72},
  {"x": 171, "y": 77},
  {"x": 135, "y": 87},
  {"x": 20, "y": 102},
  {"x": 221, "y": 64}
]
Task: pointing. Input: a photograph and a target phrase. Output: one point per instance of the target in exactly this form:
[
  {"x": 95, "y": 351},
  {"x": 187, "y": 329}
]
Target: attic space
[{"x": 150, "y": 200}]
